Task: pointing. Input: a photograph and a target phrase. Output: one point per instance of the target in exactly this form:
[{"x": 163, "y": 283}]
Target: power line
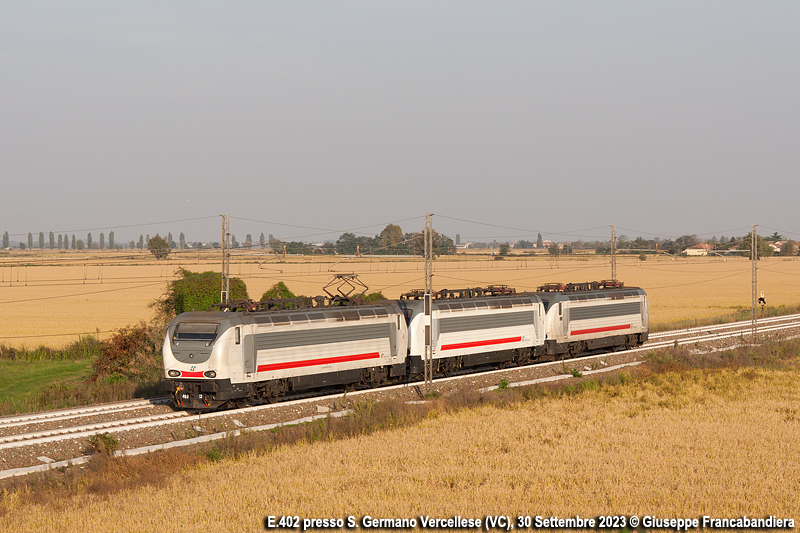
[
  {"x": 696, "y": 282},
  {"x": 527, "y": 231},
  {"x": 641, "y": 232},
  {"x": 325, "y": 231},
  {"x": 78, "y": 294},
  {"x": 780, "y": 231},
  {"x": 57, "y": 335}
]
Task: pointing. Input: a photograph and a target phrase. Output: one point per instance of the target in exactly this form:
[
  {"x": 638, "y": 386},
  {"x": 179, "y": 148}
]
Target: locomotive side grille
[
  {"x": 291, "y": 339},
  {"x": 467, "y": 323},
  {"x": 604, "y": 311},
  {"x": 326, "y": 315}
]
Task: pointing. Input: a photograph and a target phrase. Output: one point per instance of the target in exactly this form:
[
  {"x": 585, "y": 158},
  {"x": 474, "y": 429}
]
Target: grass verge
[
  {"x": 88, "y": 371},
  {"x": 23, "y": 381}
]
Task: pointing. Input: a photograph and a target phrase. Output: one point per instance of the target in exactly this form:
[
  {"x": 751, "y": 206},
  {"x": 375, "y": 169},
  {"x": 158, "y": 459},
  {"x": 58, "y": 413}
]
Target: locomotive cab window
[{"x": 204, "y": 332}]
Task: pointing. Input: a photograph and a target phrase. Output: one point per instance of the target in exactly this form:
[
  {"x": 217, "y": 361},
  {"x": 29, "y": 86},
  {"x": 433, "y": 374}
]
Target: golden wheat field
[
  {"x": 52, "y": 298},
  {"x": 677, "y": 445}
]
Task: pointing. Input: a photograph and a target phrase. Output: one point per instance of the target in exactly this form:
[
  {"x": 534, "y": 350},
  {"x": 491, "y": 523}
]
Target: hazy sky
[{"x": 663, "y": 118}]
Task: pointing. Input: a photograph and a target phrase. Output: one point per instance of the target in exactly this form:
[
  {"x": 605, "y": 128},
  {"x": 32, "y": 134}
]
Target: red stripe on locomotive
[
  {"x": 321, "y": 361},
  {"x": 600, "y": 330},
  {"x": 480, "y": 343}
]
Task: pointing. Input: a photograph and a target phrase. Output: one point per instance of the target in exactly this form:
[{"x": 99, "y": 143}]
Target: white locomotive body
[
  {"x": 475, "y": 331},
  {"x": 589, "y": 320},
  {"x": 220, "y": 358},
  {"x": 242, "y": 356}
]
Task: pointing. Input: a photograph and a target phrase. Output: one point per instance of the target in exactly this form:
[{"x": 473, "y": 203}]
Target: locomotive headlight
[
  {"x": 173, "y": 373},
  {"x": 210, "y": 374}
]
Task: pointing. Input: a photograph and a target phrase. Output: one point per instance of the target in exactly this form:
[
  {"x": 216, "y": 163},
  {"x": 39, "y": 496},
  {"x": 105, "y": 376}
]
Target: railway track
[
  {"x": 78, "y": 412},
  {"x": 32, "y": 438},
  {"x": 743, "y": 325}
]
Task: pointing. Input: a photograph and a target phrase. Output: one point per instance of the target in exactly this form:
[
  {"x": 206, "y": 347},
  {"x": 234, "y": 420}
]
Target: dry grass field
[
  {"x": 679, "y": 444},
  {"x": 50, "y": 299}
]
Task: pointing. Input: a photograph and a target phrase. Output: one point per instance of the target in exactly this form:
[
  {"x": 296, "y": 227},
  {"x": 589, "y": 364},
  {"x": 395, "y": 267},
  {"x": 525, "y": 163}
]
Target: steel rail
[
  {"x": 742, "y": 323},
  {"x": 716, "y": 336},
  {"x": 37, "y": 436},
  {"x": 63, "y": 414}
]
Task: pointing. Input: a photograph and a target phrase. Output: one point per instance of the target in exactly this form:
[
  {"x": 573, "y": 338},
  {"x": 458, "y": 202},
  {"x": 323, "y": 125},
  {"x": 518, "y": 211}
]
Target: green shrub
[
  {"x": 278, "y": 291},
  {"x": 195, "y": 291},
  {"x": 132, "y": 352},
  {"x": 103, "y": 443},
  {"x": 373, "y": 297}
]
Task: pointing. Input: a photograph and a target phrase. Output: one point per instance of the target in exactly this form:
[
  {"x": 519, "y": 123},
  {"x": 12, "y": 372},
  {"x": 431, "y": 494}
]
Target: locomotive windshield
[{"x": 196, "y": 331}]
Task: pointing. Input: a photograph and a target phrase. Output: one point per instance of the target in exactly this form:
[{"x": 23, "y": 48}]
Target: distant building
[
  {"x": 777, "y": 246},
  {"x": 698, "y": 249}
]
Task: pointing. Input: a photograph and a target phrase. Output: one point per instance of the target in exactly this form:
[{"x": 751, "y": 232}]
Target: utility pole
[
  {"x": 613, "y": 253},
  {"x": 226, "y": 259},
  {"x": 428, "y": 299},
  {"x": 754, "y": 263}
]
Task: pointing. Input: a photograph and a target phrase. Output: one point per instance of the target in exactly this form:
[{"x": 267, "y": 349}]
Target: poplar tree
[
  {"x": 102, "y": 241},
  {"x": 89, "y": 241},
  {"x": 30, "y": 240},
  {"x": 5, "y": 239},
  {"x": 111, "y": 240},
  {"x": 52, "y": 240},
  {"x": 41, "y": 240}
]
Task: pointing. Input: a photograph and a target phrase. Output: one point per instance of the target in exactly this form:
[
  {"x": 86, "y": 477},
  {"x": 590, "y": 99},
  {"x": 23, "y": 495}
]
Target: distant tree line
[
  {"x": 391, "y": 241},
  {"x": 643, "y": 246},
  {"x": 394, "y": 241}
]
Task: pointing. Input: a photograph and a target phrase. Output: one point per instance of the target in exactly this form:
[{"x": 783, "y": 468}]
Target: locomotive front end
[{"x": 195, "y": 360}]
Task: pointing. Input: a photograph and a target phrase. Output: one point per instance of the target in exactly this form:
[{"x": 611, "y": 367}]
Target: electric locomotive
[
  {"x": 250, "y": 354},
  {"x": 223, "y": 358}
]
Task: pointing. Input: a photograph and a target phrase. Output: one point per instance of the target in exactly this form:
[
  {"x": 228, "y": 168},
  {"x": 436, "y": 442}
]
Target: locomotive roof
[
  {"x": 601, "y": 294},
  {"x": 302, "y": 315},
  {"x": 495, "y": 302}
]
